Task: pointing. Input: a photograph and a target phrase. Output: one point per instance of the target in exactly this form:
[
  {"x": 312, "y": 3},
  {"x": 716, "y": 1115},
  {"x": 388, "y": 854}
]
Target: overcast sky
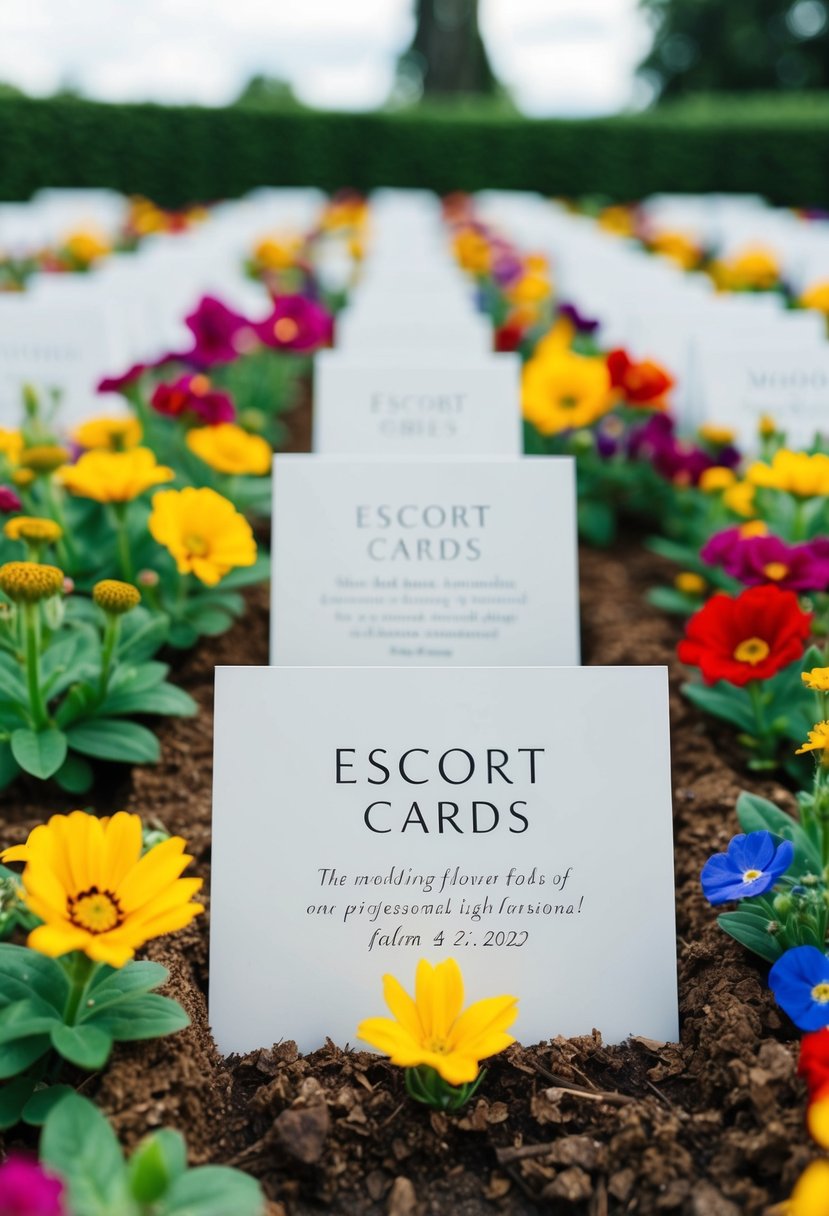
[{"x": 557, "y": 56}]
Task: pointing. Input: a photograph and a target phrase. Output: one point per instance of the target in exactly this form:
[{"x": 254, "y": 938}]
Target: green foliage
[
  {"x": 178, "y": 154},
  {"x": 79, "y": 1145}
]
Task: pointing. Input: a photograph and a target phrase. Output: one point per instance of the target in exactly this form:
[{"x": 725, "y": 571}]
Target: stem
[
  {"x": 124, "y": 554},
  {"x": 66, "y": 553},
  {"x": 31, "y": 630},
  {"x": 111, "y": 631},
  {"x": 80, "y": 973},
  {"x": 756, "y": 693},
  {"x": 798, "y": 521}
]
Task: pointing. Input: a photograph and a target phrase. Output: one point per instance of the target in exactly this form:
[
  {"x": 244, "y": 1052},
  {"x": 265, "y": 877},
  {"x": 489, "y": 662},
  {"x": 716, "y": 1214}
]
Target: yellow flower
[
  {"x": 817, "y": 679},
  {"x": 11, "y": 445},
  {"x": 817, "y": 297},
  {"x": 754, "y": 268},
  {"x": 116, "y": 597},
  {"x": 690, "y": 583},
  {"x": 203, "y": 531},
  {"x": 230, "y": 449},
  {"x": 754, "y": 527},
  {"x": 563, "y": 391},
  {"x": 766, "y": 427},
  {"x": 44, "y": 457},
  {"x": 716, "y": 479},
  {"x": 810, "y": 1196},
  {"x": 794, "y": 472},
  {"x": 23, "y": 478},
  {"x": 278, "y": 252},
  {"x": 818, "y": 740},
  {"x": 817, "y": 1121},
  {"x": 739, "y": 498},
  {"x": 33, "y": 528},
  {"x": 530, "y": 289},
  {"x": 28, "y": 582},
  {"x": 718, "y": 436},
  {"x": 115, "y": 434},
  {"x": 617, "y": 219},
  {"x": 115, "y": 476},
  {"x": 86, "y": 246},
  {"x": 87, "y": 881},
  {"x": 472, "y": 251},
  {"x": 432, "y": 1030},
  {"x": 678, "y": 247}
]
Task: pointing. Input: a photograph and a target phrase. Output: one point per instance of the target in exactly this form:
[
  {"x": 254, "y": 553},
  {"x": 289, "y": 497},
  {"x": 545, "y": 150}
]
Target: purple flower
[
  {"x": 767, "y": 559},
  {"x": 751, "y": 865},
  {"x": 117, "y": 384},
  {"x": 27, "y": 1190},
  {"x": 9, "y": 501},
  {"x": 581, "y": 323},
  {"x": 800, "y": 983},
  {"x": 675, "y": 459},
  {"x": 297, "y": 323},
  {"x": 220, "y": 335},
  {"x": 507, "y": 266},
  {"x": 722, "y": 546}
]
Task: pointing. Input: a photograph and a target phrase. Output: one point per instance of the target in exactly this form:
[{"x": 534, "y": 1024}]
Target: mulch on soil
[{"x": 710, "y": 1127}]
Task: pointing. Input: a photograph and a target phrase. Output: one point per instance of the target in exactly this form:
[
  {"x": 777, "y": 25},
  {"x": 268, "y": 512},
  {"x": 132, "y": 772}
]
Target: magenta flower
[
  {"x": 194, "y": 396},
  {"x": 117, "y": 384},
  {"x": 756, "y": 560},
  {"x": 8, "y": 501},
  {"x": 220, "y": 335},
  {"x": 27, "y": 1190},
  {"x": 722, "y": 546},
  {"x": 674, "y": 458},
  {"x": 297, "y": 323}
]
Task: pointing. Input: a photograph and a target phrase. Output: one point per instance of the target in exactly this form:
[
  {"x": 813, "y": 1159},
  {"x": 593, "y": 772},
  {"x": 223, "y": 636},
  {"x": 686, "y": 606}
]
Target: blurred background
[{"x": 541, "y": 94}]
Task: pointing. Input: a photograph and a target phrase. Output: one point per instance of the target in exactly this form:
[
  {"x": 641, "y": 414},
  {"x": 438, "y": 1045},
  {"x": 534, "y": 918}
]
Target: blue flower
[
  {"x": 800, "y": 983},
  {"x": 751, "y": 865}
]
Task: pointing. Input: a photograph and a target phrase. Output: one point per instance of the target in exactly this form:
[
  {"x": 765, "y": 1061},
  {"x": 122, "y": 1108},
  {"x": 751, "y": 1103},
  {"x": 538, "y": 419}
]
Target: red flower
[
  {"x": 748, "y": 638},
  {"x": 813, "y": 1065},
  {"x": 509, "y": 336},
  {"x": 194, "y": 396},
  {"x": 644, "y": 383}
]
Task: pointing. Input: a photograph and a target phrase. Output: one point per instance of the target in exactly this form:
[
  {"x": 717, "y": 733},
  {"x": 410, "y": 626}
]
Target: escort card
[
  {"x": 401, "y": 407},
  {"x": 515, "y": 819},
  {"x": 424, "y": 562},
  {"x": 737, "y": 386}
]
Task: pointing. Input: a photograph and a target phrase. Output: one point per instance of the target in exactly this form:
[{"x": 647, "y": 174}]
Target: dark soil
[{"x": 711, "y": 1127}]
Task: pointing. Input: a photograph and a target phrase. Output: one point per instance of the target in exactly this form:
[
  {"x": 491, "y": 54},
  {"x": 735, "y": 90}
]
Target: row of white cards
[
  {"x": 69, "y": 331},
  {"x": 410, "y": 779},
  {"x": 734, "y": 356}
]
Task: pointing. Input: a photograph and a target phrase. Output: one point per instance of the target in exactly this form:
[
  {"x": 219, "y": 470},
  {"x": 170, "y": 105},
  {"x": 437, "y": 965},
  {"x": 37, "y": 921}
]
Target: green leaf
[
  {"x": 87, "y": 1046},
  {"x": 246, "y": 576},
  {"x": 748, "y": 929},
  {"x": 214, "y": 1190},
  {"x": 110, "y": 985},
  {"x": 147, "y": 1015},
  {"x": 40, "y": 753},
  {"x": 137, "y": 678},
  {"x": 209, "y": 621},
  {"x": 668, "y": 599},
  {"x": 155, "y": 1165},
  {"x": 723, "y": 701},
  {"x": 75, "y": 775},
  {"x": 43, "y": 976},
  {"x": 142, "y": 634},
  {"x": 25, "y": 1018},
  {"x": 597, "y": 522},
  {"x": 12, "y": 687},
  {"x": 757, "y": 814},
  {"x": 9, "y": 768},
  {"x": 165, "y": 699},
  {"x": 18, "y": 1055},
  {"x": 111, "y": 739},
  {"x": 42, "y": 1102},
  {"x": 79, "y": 1144},
  {"x": 182, "y": 635},
  {"x": 81, "y": 697},
  {"x": 13, "y": 1097}
]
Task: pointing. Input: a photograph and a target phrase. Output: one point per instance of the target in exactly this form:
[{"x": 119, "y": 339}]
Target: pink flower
[
  {"x": 296, "y": 323},
  {"x": 193, "y": 395},
  {"x": 27, "y": 1190},
  {"x": 117, "y": 384},
  {"x": 220, "y": 335},
  {"x": 8, "y": 501},
  {"x": 767, "y": 559}
]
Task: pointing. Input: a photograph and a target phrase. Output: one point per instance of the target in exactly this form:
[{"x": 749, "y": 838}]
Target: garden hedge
[{"x": 183, "y": 153}]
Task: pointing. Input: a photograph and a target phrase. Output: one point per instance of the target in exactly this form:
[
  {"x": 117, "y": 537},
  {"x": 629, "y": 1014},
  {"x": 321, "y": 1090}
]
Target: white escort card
[
  {"x": 737, "y": 386},
  {"x": 515, "y": 819},
  {"x": 424, "y": 562},
  {"x": 469, "y": 407}
]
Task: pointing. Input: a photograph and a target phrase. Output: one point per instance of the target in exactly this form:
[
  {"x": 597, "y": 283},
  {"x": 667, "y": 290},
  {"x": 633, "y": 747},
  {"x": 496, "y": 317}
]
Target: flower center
[
  {"x": 568, "y": 402},
  {"x": 200, "y": 386},
  {"x": 775, "y": 571},
  {"x": 820, "y": 993},
  {"x": 441, "y": 1048},
  {"x": 196, "y": 544},
  {"x": 752, "y": 650},
  {"x": 752, "y": 875},
  {"x": 285, "y": 329},
  {"x": 95, "y": 911}
]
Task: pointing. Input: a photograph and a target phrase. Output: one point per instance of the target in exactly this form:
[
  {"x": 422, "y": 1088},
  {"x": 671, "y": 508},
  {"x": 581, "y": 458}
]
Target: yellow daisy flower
[
  {"x": 690, "y": 583},
  {"x": 86, "y": 880},
  {"x": 203, "y": 531},
  {"x": 739, "y": 498},
  {"x": 114, "y": 434},
  {"x": 818, "y": 740},
  {"x": 11, "y": 445},
  {"x": 796, "y": 473},
  {"x": 810, "y": 1196},
  {"x": 228, "y": 448},
  {"x": 817, "y": 679},
  {"x": 718, "y": 478},
  {"x": 816, "y": 297},
  {"x": 115, "y": 476},
  {"x": 33, "y": 528},
  {"x": 432, "y": 1030}
]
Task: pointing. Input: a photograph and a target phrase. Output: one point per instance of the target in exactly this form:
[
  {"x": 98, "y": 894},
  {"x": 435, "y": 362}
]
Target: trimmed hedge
[{"x": 181, "y": 154}]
